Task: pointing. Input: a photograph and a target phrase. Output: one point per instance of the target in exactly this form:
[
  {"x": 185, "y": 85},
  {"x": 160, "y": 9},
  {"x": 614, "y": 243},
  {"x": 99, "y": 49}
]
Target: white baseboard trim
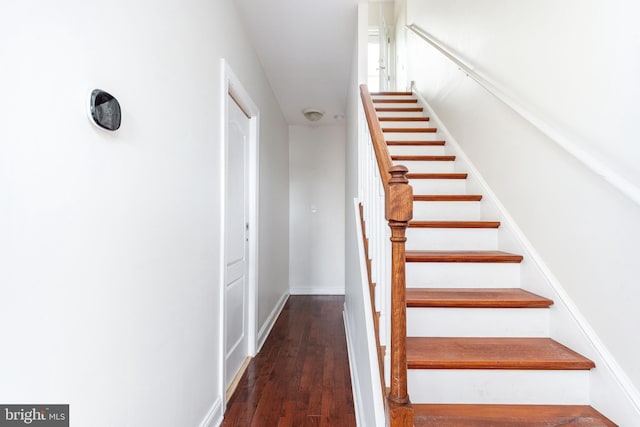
[
  {"x": 355, "y": 381},
  {"x": 316, "y": 291},
  {"x": 214, "y": 416},
  {"x": 271, "y": 320}
]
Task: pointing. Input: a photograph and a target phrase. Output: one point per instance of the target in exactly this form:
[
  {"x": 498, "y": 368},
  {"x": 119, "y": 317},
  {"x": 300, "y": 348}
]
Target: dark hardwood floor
[{"x": 301, "y": 376}]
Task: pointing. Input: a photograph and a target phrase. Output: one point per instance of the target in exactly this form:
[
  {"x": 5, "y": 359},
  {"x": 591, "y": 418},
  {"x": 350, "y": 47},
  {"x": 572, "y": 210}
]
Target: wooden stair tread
[
  {"x": 403, "y": 119},
  {"x": 447, "y": 198},
  {"x": 394, "y": 101},
  {"x": 475, "y": 298},
  {"x": 492, "y": 353},
  {"x": 416, "y": 143},
  {"x": 462, "y": 256},
  {"x": 399, "y": 109},
  {"x": 454, "y": 224},
  {"x": 423, "y": 158},
  {"x": 437, "y": 175},
  {"x": 391, "y": 93},
  {"x": 409, "y": 130},
  {"x": 472, "y": 415}
]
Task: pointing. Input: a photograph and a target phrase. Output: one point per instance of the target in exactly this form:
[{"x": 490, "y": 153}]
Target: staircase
[{"x": 478, "y": 348}]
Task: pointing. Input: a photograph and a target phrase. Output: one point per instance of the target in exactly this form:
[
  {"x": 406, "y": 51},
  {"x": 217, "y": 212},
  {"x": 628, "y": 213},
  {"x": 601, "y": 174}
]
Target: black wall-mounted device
[{"x": 104, "y": 110}]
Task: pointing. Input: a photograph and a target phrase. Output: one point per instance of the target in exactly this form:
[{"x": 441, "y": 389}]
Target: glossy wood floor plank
[{"x": 301, "y": 376}]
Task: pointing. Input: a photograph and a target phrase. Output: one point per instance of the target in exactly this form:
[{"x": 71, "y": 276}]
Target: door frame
[{"x": 232, "y": 87}]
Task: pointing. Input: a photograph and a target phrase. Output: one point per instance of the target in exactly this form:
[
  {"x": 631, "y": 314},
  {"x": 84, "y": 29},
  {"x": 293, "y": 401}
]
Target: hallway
[{"x": 301, "y": 376}]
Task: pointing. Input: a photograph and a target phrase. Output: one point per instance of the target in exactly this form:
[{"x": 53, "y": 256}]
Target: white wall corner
[
  {"x": 215, "y": 416},
  {"x": 271, "y": 320}
]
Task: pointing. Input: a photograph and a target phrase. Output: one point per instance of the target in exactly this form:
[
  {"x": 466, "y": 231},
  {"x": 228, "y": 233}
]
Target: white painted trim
[
  {"x": 619, "y": 376},
  {"x": 355, "y": 381},
  {"x": 310, "y": 290},
  {"x": 271, "y": 320},
  {"x": 376, "y": 381},
  {"x": 214, "y": 415},
  {"x": 231, "y": 84},
  {"x": 598, "y": 167}
]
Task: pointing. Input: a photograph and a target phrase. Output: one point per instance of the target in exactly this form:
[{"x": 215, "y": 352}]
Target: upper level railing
[
  {"x": 598, "y": 167},
  {"x": 395, "y": 205}
]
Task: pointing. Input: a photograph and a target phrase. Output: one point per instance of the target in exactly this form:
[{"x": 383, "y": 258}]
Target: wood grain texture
[
  {"x": 454, "y": 224},
  {"x": 437, "y": 176},
  {"x": 377, "y": 137},
  {"x": 416, "y": 143},
  {"x": 409, "y": 130},
  {"x": 395, "y": 101},
  {"x": 392, "y": 93},
  {"x": 475, "y": 298},
  {"x": 400, "y": 109},
  {"x": 399, "y": 211},
  {"x": 404, "y": 119},
  {"x": 493, "y": 353},
  {"x": 423, "y": 158},
  {"x": 508, "y": 416},
  {"x": 447, "y": 197},
  {"x": 301, "y": 376},
  {"x": 463, "y": 256}
]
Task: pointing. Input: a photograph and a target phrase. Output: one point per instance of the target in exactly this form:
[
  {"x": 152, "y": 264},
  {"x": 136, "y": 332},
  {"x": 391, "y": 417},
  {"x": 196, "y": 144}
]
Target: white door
[
  {"x": 236, "y": 241},
  {"x": 383, "y": 61}
]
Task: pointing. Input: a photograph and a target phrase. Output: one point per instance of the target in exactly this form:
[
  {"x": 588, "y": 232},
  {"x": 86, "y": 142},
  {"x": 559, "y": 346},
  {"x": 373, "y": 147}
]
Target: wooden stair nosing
[
  {"x": 437, "y": 175},
  {"x": 391, "y": 93},
  {"x": 492, "y": 353},
  {"x": 475, "y": 298},
  {"x": 447, "y": 198},
  {"x": 421, "y": 158},
  {"x": 409, "y": 130},
  {"x": 399, "y": 109},
  {"x": 454, "y": 224},
  {"x": 404, "y": 119},
  {"x": 416, "y": 143},
  {"x": 479, "y": 415},
  {"x": 394, "y": 101},
  {"x": 462, "y": 256}
]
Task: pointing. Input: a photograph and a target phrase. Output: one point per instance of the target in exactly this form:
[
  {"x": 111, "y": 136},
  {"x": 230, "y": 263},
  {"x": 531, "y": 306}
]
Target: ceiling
[{"x": 306, "y": 49}]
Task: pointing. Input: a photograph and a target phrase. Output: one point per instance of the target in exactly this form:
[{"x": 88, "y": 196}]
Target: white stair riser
[
  {"x": 439, "y": 186},
  {"x": 463, "y": 239},
  {"x": 396, "y": 104},
  {"x": 406, "y": 124},
  {"x": 411, "y": 136},
  {"x": 499, "y": 386},
  {"x": 462, "y": 275},
  {"x": 446, "y": 211},
  {"x": 401, "y": 113},
  {"x": 392, "y": 96},
  {"x": 477, "y": 322},
  {"x": 426, "y": 166},
  {"x": 416, "y": 150}
]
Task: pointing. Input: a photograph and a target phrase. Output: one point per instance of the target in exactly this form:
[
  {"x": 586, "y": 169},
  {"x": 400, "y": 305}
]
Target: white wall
[
  {"x": 571, "y": 63},
  {"x": 358, "y": 317},
  {"x": 316, "y": 209},
  {"x": 109, "y": 243}
]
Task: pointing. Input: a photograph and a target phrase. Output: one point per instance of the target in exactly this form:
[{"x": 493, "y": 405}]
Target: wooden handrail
[
  {"x": 379, "y": 145},
  {"x": 398, "y": 212}
]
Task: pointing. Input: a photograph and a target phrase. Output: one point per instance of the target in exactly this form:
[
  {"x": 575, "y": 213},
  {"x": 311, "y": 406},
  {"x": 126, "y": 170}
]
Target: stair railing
[
  {"x": 387, "y": 200},
  {"x": 596, "y": 165}
]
